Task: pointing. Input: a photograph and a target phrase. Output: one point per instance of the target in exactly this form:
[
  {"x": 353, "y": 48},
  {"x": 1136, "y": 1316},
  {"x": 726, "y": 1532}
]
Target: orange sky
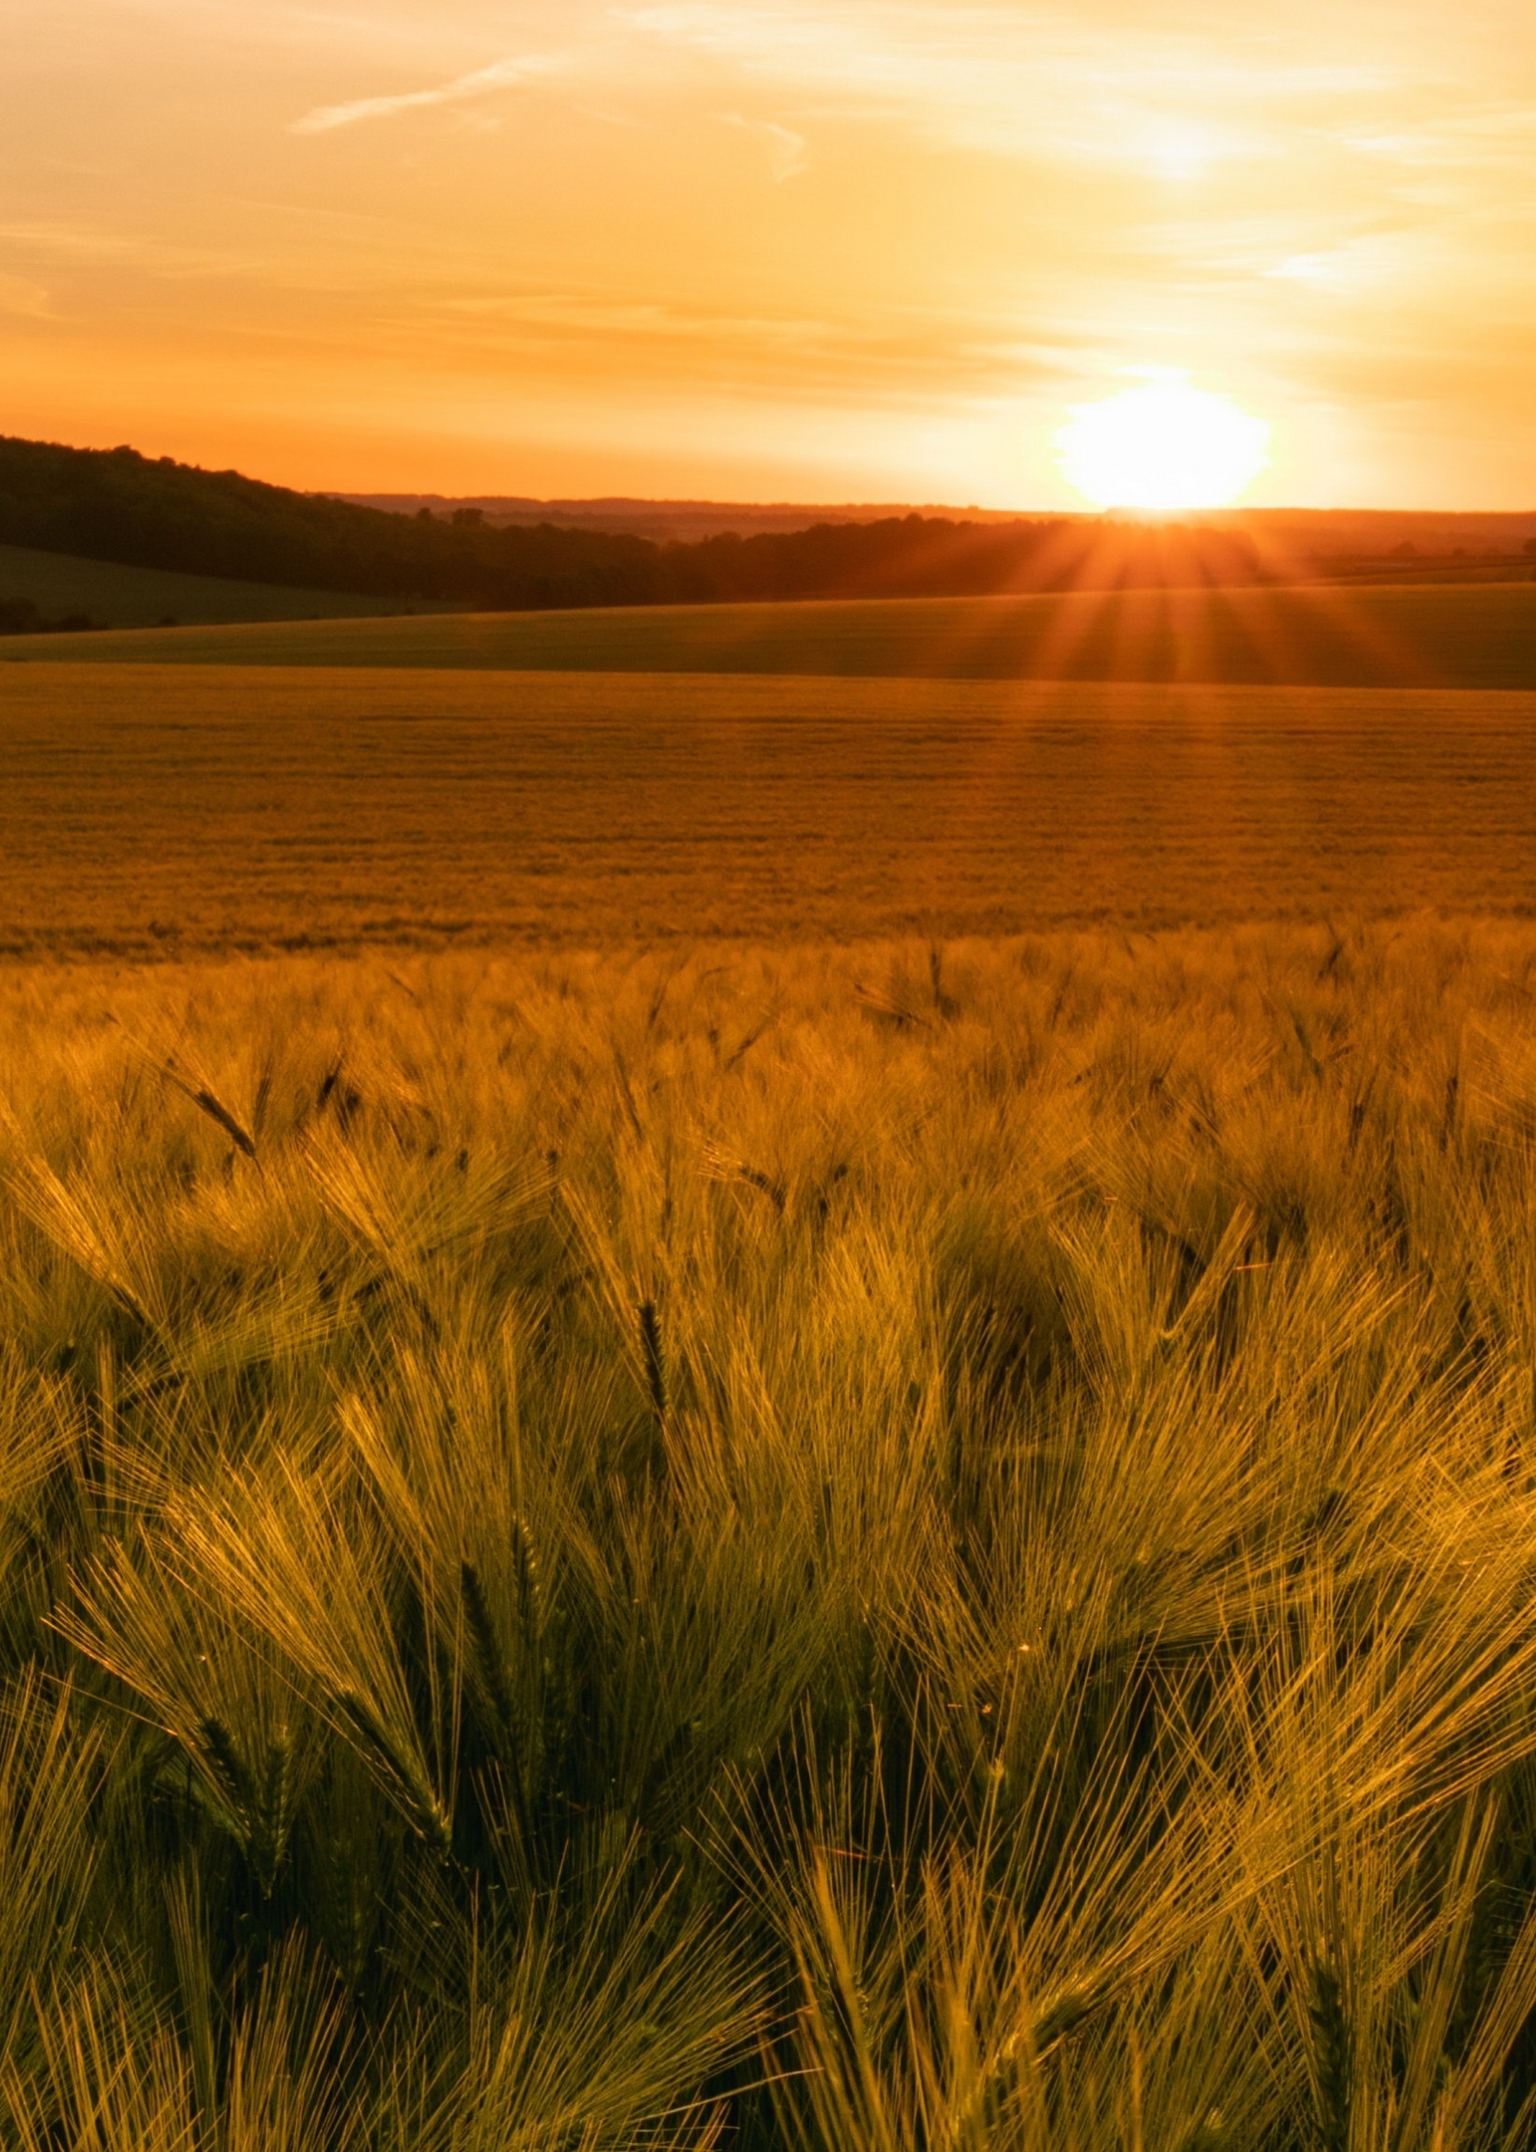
[{"x": 832, "y": 250}]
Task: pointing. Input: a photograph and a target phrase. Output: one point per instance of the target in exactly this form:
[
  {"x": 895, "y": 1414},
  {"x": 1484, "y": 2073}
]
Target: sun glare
[{"x": 1163, "y": 445}]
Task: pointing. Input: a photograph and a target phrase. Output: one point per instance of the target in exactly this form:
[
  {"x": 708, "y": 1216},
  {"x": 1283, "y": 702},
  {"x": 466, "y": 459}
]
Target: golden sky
[{"x": 834, "y": 249}]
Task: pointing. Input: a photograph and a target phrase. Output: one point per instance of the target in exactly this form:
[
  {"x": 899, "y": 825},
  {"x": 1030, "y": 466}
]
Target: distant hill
[
  {"x": 117, "y": 506},
  {"x": 1324, "y": 537},
  {"x": 668, "y": 522},
  {"x": 1289, "y": 539}
]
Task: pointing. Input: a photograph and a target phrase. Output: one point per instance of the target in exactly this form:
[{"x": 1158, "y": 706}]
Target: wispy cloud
[
  {"x": 18, "y": 295},
  {"x": 1018, "y": 82},
  {"x": 500, "y": 75},
  {"x": 788, "y": 152},
  {"x": 1363, "y": 263},
  {"x": 94, "y": 246},
  {"x": 1494, "y": 138}
]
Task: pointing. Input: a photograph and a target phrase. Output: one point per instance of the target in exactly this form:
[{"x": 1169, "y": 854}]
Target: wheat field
[
  {"x": 815, "y": 1549},
  {"x": 197, "y": 810}
]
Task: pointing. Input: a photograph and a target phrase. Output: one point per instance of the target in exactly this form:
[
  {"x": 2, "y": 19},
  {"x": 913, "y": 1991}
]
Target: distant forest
[{"x": 116, "y": 505}]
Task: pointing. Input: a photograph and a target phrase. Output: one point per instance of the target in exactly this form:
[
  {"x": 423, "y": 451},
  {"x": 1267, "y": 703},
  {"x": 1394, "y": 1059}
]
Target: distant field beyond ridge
[
  {"x": 1320, "y": 635},
  {"x": 174, "y": 810}
]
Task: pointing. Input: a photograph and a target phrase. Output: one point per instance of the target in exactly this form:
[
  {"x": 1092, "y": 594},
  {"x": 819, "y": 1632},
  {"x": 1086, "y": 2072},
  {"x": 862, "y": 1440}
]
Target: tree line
[{"x": 116, "y": 505}]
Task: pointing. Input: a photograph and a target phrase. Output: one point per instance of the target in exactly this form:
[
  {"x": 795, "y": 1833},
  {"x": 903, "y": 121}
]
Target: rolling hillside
[
  {"x": 1475, "y": 636},
  {"x": 111, "y": 595}
]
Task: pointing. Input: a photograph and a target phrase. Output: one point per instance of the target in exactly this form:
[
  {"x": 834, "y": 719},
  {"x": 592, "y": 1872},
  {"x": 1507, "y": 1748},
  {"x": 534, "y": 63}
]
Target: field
[
  {"x": 812, "y": 1550},
  {"x": 779, "y": 1413},
  {"x": 119, "y": 597},
  {"x": 165, "y": 810},
  {"x": 1316, "y": 636}
]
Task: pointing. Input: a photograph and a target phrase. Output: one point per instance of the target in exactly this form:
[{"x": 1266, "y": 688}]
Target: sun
[{"x": 1163, "y": 445}]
